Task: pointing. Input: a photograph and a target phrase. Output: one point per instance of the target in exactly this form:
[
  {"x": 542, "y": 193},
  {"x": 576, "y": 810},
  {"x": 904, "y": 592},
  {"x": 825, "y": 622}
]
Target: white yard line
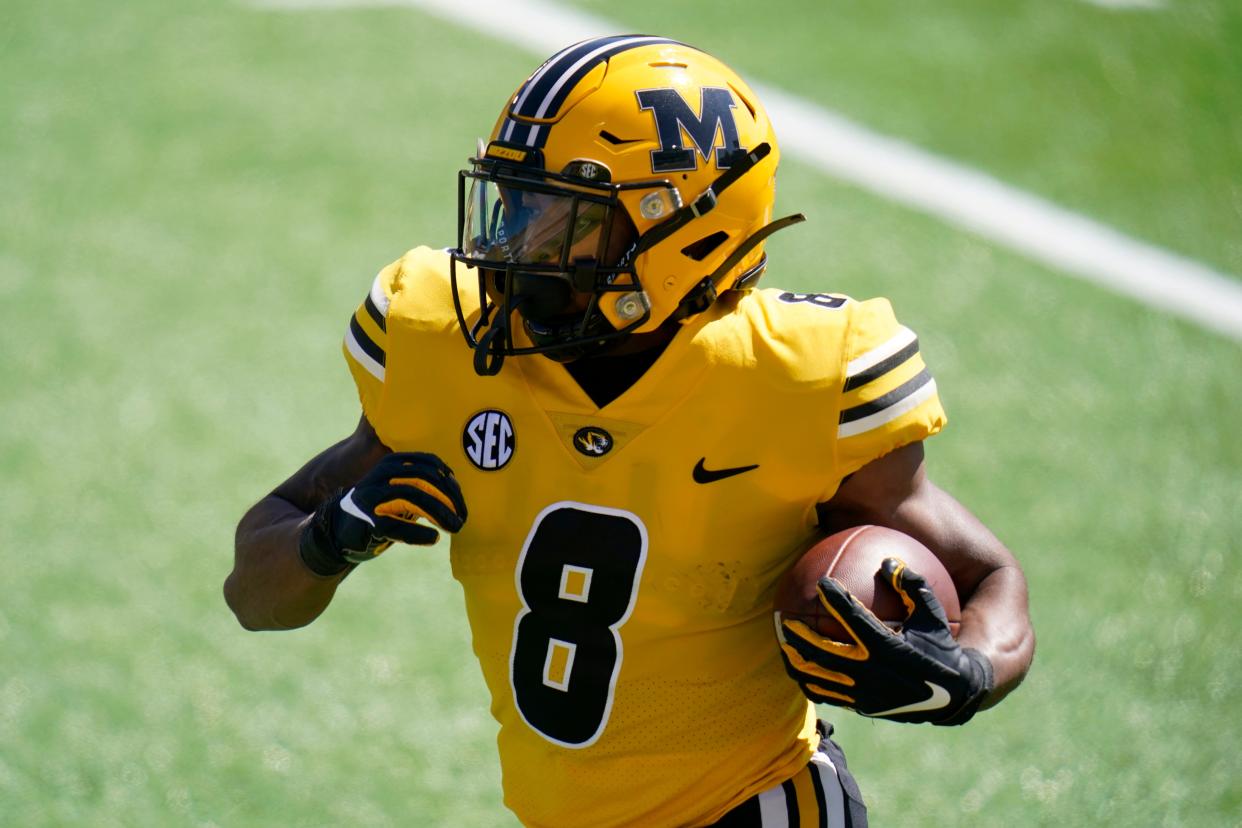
[
  {"x": 1039, "y": 229},
  {"x": 1126, "y": 5}
]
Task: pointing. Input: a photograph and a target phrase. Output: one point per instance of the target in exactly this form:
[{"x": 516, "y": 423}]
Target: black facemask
[{"x": 524, "y": 233}]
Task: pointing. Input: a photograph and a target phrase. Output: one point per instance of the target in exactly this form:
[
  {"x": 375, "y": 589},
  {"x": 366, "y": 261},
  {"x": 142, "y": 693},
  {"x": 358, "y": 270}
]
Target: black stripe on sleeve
[
  {"x": 791, "y": 801},
  {"x": 375, "y": 314},
  {"x": 898, "y": 394},
  {"x": 372, "y": 350},
  {"x": 882, "y": 367}
]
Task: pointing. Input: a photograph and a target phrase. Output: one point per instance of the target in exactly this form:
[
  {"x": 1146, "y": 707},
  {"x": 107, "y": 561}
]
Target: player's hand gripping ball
[
  {"x": 861, "y": 629},
  {"x": 386, "y": 506},
  {"x": 853, "y": 558}
]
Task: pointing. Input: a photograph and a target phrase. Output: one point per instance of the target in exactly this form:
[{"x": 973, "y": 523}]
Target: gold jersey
[{"x": 619, "y": 563}]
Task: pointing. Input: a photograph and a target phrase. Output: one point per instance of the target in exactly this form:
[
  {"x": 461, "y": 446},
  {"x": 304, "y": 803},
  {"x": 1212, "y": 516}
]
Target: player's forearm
[
  {"x": 996, "y": 622},
  {"x": 895, "y": 492},
  {"x": 996, "y": 619},
  {"x": 270, "y": 588}
]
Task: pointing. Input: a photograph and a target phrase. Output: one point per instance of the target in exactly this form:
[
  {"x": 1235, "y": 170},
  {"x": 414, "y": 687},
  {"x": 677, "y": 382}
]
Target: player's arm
[
  {"x": 270, "y": 587},
  {"x": 344, "y": 507},
  {"x": 895, "y": 491}
]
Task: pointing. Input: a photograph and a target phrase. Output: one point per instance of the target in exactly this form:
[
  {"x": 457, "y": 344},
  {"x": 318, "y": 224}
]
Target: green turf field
[{"x": 193, "y": 197}]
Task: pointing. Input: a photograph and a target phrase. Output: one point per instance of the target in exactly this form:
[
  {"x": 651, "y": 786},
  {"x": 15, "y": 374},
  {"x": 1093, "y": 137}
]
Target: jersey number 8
[{"x": 578, "y": 577}]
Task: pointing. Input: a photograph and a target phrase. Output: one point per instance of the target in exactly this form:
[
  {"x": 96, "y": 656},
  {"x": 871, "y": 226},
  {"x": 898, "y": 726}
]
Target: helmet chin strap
[
  {"x": 702, "y": 295},
  {"x": 489, "y": 354},
  {"x": 593, "y": 334}
]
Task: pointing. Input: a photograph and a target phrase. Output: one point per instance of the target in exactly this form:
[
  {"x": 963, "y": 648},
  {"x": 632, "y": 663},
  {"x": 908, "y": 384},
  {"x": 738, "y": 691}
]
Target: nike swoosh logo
[
  {"x": 349, "y": 507},
  {"x": 939, "y": 698},
  {"x": 702, "y": 475}
]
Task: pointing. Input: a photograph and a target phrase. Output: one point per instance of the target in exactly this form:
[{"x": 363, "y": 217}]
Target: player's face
[
  {"x": 546, "y": 232},
  {"x": 545, "y": 225},
  {"x": 528, "y": 227}
]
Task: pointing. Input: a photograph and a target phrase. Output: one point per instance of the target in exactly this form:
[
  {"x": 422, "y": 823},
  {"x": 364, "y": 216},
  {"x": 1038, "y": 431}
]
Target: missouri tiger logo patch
[{"x": 593, "y": 441}]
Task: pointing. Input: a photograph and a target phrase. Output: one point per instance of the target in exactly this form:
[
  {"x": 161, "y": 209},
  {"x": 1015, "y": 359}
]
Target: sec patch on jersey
[{"x": 489, "y": 440}]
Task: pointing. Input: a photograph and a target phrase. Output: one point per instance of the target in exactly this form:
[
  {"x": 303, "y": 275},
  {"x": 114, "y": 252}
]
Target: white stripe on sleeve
[
  {"x": 362, "y": 357},
  {"x": 878, "y": 354},
  {"x": 889, "y": 414},
  {"x": 378, "y": 297}
]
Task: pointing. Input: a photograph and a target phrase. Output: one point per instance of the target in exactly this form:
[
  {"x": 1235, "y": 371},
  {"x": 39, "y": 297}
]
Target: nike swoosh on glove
[{"x": 386, "y": 505}]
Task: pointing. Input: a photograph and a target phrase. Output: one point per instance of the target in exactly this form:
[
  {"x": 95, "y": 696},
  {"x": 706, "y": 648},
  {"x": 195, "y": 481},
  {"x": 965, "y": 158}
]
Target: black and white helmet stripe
[{"x": 542, "y": 95}]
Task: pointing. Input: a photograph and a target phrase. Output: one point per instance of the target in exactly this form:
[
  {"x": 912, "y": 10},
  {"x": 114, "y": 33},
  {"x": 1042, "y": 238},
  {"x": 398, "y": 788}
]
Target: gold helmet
[{"x": 629, "y": 181}]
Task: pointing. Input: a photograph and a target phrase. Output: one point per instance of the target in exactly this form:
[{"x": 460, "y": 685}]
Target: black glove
[
  {"x": 917, "y": 674},
  {"x": 357, "y": 525}
]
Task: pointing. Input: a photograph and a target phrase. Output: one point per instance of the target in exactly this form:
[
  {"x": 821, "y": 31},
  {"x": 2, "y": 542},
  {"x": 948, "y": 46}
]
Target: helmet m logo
[{"x": 673, "y": 117}]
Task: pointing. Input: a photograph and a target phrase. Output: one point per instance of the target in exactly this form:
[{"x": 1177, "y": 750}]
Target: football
[{"x": 853, "y": 557}]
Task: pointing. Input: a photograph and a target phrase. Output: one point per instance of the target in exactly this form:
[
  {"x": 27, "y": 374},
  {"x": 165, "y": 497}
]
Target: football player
[{"x": 645, "y": 441}]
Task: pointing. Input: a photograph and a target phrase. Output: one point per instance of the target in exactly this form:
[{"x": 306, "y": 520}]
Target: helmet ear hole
[
  {"x": 614, "y": 140},
  {"x": 750, "y": 107},
  {"x": 703, "y": 248}
]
